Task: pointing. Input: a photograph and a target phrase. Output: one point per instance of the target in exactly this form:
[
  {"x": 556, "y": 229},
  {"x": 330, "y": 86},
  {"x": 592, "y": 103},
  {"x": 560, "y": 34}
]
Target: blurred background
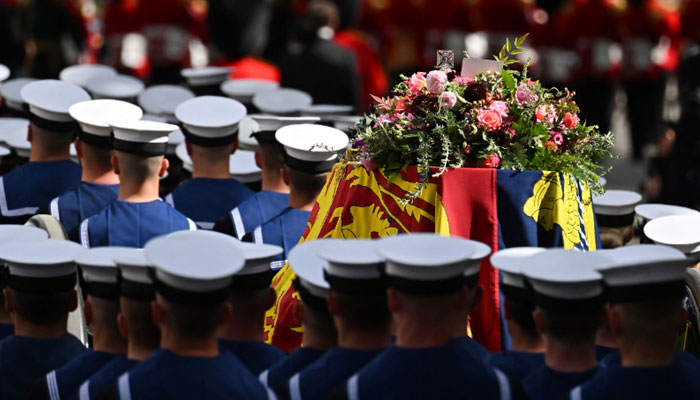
[{"x": 634, "y": 64}]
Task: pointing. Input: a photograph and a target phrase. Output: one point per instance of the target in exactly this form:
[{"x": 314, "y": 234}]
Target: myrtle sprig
[{"x": 508, "y": 50}]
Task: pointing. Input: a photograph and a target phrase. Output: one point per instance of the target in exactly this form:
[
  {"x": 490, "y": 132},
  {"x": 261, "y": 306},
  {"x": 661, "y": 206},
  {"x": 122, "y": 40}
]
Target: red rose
[
  {"x": 491, "y": 161},
  {"x": 570, "y": 120}
]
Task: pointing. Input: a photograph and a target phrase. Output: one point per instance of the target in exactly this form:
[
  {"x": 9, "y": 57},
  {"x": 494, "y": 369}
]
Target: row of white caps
[
  {"x": 415, "y": 260},
  {"x": 574, "y": 275}
]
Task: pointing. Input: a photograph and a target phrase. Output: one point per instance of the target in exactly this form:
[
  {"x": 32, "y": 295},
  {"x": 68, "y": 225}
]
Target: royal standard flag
[{"x": 501, "y": 208}]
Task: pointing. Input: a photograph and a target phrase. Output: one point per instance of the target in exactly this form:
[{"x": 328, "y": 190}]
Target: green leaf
[
  {"x": 508, "y": 79},
  {"x": 508, "y": 45}
]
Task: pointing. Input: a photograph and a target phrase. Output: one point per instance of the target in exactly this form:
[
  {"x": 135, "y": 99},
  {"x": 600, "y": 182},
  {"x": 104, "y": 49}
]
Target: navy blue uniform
[
  {"x": 676, "y": 381},
  {"x": 290, "y": 365},
  {"x": 517, "y": 364},
  {"x": 284, "y": 230},
  {"x": 81, "y": 202},
  {"x": 24, "y": 360},
  {"x": 168, "y": 376},
  {"x": 545, "y": 383},
  {"x": 602, "y": 352},
  {"x": 127, "y": 224},
  {"x": 25, "y": 189},
  {"x": 205, "y": 200},
  {"x": 63, "y": 382},
  {"x": 448, "y": 372},
  {"x": 257, "y": 356},
  {"x": 6, "y": 330},
  {"x": 318, "y": 380},
  {"x": 252, "y": 213},
  {"x": 105, "y": 376}
]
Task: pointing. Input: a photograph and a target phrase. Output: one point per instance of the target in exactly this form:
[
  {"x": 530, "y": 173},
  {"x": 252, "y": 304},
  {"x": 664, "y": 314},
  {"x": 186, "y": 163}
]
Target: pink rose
[
  {"x": 368, "y": 163},
  {"x": 448, "y": 100},
  {"x": 570, "y": 120},
  {"x": 524, "y": 95},
  {"x": 545, "y": 112},
  {"x": 500, "y": 107},
  {"x": 436, "y": 81},
  {"x": 386, "y": 119},
  {"x": 491, "y": 161},
  {"x": 557, "y": 137},
  {"x": 463, "y": 80},
  {"x": 489, "y": 119},
  {"x": 416, "y": 83}
]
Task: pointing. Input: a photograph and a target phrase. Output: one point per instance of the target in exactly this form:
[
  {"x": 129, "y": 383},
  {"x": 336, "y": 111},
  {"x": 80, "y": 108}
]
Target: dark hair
[
  {"x": 143, "y": 332},
  {"x": 308, "y": 185},
  {"x": 366, "y": 312},
  {"x": 191, "y": 322},
  {"x": 570, "y": 326},
  {"x": 41, "y": 308}
]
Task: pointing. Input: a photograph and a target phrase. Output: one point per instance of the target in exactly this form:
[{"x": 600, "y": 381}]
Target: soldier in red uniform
[
  {"x": 596, "y": 41},
  {"x": 650, "y": 38}
]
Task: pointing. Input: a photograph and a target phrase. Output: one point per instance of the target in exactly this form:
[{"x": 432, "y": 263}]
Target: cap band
[
  {"x": 23, "y": 112},
  {"x": 137, "y": 290},
  {"x": 518, "y": 294},
  {"x": 426, "y": 288},
  {"x": 146, "y": 149},
  {"x": 265, "y": 137},
  {"x": 104, "y": 142},
  {"x": 262, "y": 280},
  {"x": 208, "y": 142},
  {"x": 567, "y": 305},
  {"x": 102, "y": 289},
  {"x": 41, "y": 285},
  {"x": 355, "y": 286},
  {"x": 646, "y": 292},
  {"x": 54, "y": 126},
  {"x": 314, "y": 302},
  {"x": 309, "y": 167},
  {"x": 192, "y": 299},
  {"x": 206, "y": 90},
  {"x": 615, "y": 221}
]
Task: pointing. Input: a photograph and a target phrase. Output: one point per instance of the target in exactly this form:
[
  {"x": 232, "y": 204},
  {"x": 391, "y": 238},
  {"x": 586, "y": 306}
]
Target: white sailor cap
[
  {"x": 243, "y": 90},
  {"x": 353, "y": 266},
  {"x": 120, "y": 87},
  {"x": 177, "y": 260},
  {"x": 308, "y": 267},
  {"x": 162, "y": 100},
  {"x": 210, "y": 120},
  {"x": 4, "y": 152},
  {"x": 645, "y": 272},
  {"x": 311, "y": 149},
  {"x": 678, "y": 231},
  {"x": 174, "y": 139},
  {"x": 615, "y": 208},
  {"x": 99, "y": 271},
  {"x": 206, "y": 76},
  {"x": 49, "y": 101},
  {"x": 40, "y": 266},
  {"x": 425, "y": 263},
  {"x": 343, "y": 122},
  {"x": 135, "y": 272},
  {"x": 83, "y": 74},
  {"x": 24, "y": 233},
  {"x": 183, "y": 155},
  {"x": 17, "y": 141},
  {"x": 565, "y": 278},
  {"x": 471, "y": 272},
  {"x": 282, "y": 101},
  {"x": 264, "y": 127},
  {"x": 4, "y": 72},
  {"x": 242, "y": 167},
  {"x": 10, "y": 92},
  {"x": 141, "y": 137},
  {"x": 651, "y": 211},
  {"x": 256, "y": 274},
  {"x": 326, "y": 110},
  {"x": 11, "y": 127},
  {"x": 154, "y": 118},
  {"x": 508, "y": 262},
  {"x": 92, "y": 117}
]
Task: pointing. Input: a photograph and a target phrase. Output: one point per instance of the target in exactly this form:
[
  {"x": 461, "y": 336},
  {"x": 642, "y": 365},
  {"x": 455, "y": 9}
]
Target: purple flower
[
  {"x": 368, "y": 163},
  {"x": 524, "y": 95},
  {"x": 386, "y": 119},
  {"x": 448, "y": 100},
  {"x": 435, "y": 81},
  {"x": 358, "y": 143}
]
